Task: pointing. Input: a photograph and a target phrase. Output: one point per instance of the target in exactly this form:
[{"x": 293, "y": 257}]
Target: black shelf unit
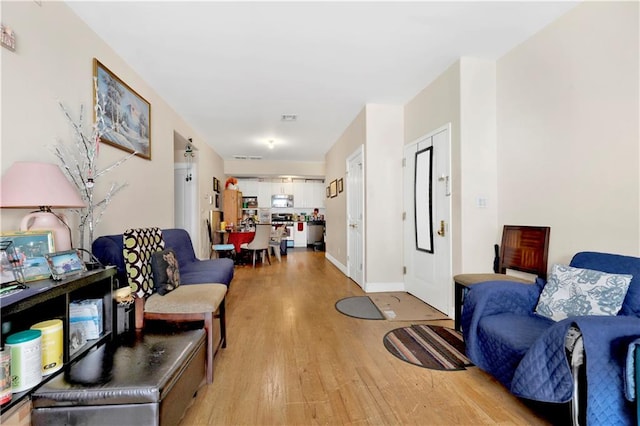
[{"x": 49, "y": 299}]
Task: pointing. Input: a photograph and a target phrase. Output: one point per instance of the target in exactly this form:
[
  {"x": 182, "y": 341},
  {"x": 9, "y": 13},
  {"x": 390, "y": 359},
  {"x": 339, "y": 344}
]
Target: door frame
[
  {"x": 192, "y": 206},
  {"x": 356, "y": 192},
  {"x": 443, "y": 269}
]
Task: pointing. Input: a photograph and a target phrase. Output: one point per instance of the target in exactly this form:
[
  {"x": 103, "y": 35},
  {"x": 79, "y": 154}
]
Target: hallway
[{"x": 293, "y": 359}]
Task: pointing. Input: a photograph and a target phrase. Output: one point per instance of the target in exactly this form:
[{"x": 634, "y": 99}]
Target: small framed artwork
[
  {"x": 216, "y": 185},
  {"x": 126, "y": 115},
  {"x": 333, "y": 188},
  {"x": 340, "y": 185},
  {"x": 217, "y": 201},
  {"x": 65, "y": 264},
  {"x": 328, "y": 192},
  {"x": 30, "y": 248}
]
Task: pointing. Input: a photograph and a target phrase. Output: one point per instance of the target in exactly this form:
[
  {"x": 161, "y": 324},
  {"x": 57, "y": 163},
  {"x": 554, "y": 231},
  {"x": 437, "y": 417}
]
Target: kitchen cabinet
[
  {"x": 315, "y": 195},
  {"x": 299, "y": 194},
  {"x": 249, "y": 187},
  {"x": 46, "y": 300},
  {"x": 264, "y": 194},
  {"x": 308, "y": 195},
  {"x": 232, "y": 206},
  {"x": 282, "y": 187},
  {"x": 300, "y": 234}
]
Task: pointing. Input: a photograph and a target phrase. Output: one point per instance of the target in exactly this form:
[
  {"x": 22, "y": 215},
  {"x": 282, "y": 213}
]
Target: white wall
[
  {"x": 435, "y": 106},
  {"x": 478, "y": 229},
  {"x": 53, "y": 60},
  {"x": 383, "y": 196},
  {"x": 568, "y": 131},
  {"x": 351, "y": 139}
]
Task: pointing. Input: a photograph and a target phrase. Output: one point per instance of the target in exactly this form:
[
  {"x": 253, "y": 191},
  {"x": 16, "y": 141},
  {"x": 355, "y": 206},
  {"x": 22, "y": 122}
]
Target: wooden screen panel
[{"x": 525, "y": 249}]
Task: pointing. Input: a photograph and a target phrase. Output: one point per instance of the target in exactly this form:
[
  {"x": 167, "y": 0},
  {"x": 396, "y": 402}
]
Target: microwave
[{"x": 281, "y": 200}]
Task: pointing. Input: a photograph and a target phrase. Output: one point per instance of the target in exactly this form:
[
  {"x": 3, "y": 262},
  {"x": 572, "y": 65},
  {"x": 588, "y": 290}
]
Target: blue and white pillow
[{"x": 573, "y": 291}]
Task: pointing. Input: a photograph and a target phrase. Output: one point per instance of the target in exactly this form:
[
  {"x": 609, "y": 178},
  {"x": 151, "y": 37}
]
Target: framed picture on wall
[
  {"x": 217, "y": 201},
  {"x": 333, "y": 188},
  {"x": 125, "y": 114},
  {"x": 340, "y": 185},
  {"x": 328, "y": 192},
  {"x": 216, "y": 185}
]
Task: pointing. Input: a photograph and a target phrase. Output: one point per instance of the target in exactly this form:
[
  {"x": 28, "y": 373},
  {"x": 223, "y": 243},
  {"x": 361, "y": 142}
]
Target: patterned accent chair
[{"x": 201, "y": 302}]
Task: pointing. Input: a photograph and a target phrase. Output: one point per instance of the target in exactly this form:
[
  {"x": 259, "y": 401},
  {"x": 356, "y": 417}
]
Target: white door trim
[
  {"x": 356, "y": 192},
  {"x": 442, "y": 272}
]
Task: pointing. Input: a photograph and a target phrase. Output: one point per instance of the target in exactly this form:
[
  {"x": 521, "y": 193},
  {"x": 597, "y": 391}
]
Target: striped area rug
[{"x": 428, "y": 346}]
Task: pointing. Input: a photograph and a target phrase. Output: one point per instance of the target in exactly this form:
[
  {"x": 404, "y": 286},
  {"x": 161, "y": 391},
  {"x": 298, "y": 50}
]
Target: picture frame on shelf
[
  {"x": 340, "y": 185},
  {"x": 333, "y": 188},
  {"x": 10, "y": 271},
  {"x": 127, "y": 118},
  {"x": 64, "y": 264},
  {"x": 30, "y": 248}
]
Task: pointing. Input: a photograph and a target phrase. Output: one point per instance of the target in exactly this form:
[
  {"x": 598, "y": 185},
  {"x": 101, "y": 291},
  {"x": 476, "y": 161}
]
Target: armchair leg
[
  {"x": 223, "y": 323},
  {"x": 208, "y": 327},
  {"x": 139, "y": 313}
]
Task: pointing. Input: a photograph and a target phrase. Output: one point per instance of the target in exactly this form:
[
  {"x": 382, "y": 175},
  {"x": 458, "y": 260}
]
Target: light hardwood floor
[{"x": 293, "y": 359}]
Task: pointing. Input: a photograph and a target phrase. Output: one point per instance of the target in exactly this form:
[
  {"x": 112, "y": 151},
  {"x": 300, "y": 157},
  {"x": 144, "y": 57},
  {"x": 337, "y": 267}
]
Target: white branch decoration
[{"x": 79, "y": 163}]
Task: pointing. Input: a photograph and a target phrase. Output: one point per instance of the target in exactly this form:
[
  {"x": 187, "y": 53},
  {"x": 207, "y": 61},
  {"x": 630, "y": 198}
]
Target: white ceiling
[{"x": 231, "y": 69}]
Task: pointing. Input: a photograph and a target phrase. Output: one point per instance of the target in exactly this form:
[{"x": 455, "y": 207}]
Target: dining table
[{"x": 237, "y": 238}]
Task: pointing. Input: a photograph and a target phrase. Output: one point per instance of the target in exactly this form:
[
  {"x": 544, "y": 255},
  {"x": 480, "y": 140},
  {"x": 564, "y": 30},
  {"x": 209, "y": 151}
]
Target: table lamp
[{"x": 41, "y": 185}]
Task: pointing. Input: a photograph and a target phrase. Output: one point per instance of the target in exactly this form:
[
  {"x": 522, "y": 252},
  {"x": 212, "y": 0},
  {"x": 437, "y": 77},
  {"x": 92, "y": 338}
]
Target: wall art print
[{"x": 126, "y": 114}]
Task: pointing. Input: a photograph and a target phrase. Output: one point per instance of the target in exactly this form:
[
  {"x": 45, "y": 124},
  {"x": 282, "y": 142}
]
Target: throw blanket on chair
[
  {"x": 541, "y": 372},
  {"x": 544, "y": 373}
]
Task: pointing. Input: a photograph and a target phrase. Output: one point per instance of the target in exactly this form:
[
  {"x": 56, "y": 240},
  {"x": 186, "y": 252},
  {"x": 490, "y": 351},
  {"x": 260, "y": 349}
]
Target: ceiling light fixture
[{"x": 271, "y": 143}]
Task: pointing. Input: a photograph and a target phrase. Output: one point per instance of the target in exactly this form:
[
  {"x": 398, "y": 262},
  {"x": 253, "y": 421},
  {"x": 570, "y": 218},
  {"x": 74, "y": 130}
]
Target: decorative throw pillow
[
  {"x": 573, "y": 291},
  {"x": 166, "y": 275},
  {"x": 138, "y": 245}
]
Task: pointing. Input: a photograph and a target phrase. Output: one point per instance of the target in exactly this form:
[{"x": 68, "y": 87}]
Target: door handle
[{"x": 441, "y": 230}]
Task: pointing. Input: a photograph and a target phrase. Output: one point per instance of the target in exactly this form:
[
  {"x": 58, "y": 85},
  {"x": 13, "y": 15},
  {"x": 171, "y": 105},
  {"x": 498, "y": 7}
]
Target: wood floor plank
[{"x": 293, "y": 359}]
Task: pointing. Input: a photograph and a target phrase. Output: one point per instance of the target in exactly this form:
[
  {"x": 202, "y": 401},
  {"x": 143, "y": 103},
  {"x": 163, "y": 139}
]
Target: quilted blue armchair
[{"x": 511, "y": 334}]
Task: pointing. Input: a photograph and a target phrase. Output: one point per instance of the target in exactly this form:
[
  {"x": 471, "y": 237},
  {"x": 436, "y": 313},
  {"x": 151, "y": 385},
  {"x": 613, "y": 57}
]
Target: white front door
[
  {"x": 355, "y": 216},
  {"x": 427, "y": 231}
]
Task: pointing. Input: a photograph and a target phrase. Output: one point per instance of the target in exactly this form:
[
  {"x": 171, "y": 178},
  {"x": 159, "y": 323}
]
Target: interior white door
[
  {"x": 354, "y": 188},
  {"x": 185, "y": 201},
  {"x": 427, "y": 231}
]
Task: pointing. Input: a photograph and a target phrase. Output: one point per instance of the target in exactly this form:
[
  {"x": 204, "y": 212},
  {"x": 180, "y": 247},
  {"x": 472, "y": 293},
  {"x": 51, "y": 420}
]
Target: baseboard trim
[
  {"x": 381, "y": 287},
  {"x": 335, "y": 262}
]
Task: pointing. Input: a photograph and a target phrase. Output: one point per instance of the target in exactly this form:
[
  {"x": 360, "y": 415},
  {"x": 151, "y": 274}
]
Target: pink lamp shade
[
  {"x": 40, "y": 185},
  {"x": 28, "y": 184}
]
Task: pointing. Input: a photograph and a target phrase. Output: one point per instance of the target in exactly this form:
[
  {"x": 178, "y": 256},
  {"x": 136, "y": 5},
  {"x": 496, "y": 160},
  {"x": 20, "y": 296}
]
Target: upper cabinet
[
  {"x": 307, "y": 194},
  {"x": 316, "y": 194},
  {"x": 249, "y": 187},
  {"x": 300, "y": 194},
  {"x": 264, "y": 194},
  {"x": 282, "y": 187}
]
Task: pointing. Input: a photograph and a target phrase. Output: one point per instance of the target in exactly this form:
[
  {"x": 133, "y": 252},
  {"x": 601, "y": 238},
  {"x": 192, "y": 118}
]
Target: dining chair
[
  {"x": 218, "y": 248},
  {"x": 276, "y": 239},
  {"x": 260, "y": 243}
]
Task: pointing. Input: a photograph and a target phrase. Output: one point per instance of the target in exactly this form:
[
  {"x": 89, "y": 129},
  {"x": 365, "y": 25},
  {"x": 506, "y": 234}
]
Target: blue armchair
[{"x": 527, "y": 352}]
